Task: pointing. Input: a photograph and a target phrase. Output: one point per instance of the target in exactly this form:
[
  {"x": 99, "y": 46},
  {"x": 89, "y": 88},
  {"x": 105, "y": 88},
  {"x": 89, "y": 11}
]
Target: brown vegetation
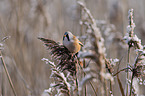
[{"x": 25, "y": 20}]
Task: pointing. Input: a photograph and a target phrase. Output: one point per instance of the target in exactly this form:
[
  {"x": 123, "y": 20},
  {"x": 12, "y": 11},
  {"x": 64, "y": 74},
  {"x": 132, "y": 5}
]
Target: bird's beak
[{"x": 64, "y": 35}]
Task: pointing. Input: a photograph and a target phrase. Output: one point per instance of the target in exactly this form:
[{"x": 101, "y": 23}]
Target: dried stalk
[
  {"x": 98, "y": 43},
  {"x": 7, "y": 73},
  {"x": 128, "y": 63},
  {"x": 133, "y": 41},
  {"x": 130, "y": 27}
]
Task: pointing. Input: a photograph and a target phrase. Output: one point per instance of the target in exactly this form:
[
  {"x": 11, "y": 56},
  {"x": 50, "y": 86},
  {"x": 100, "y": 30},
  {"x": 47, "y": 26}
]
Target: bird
[
  {"x": 66, "y": 53},
  {"x": 71, "y": 42}
]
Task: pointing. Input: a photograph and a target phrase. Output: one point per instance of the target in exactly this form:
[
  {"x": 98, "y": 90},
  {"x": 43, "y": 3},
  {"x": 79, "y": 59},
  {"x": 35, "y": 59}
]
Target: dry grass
[{"x": 25, "y": 20}]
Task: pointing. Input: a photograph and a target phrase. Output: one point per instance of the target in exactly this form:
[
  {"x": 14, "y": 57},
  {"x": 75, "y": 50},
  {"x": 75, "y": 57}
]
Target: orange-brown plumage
[{"x": 71, "y": 42}]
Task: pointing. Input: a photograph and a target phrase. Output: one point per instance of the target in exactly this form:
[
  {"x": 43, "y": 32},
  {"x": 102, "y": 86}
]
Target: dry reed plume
[
  {"x": 103, "y": 69},
  {"x": 111, "y": 63}
]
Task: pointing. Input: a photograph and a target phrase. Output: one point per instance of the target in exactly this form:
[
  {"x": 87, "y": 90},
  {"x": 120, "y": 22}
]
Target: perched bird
[
  {"x": 64, "y": 53},
  {"x": 71, "y": 42}
]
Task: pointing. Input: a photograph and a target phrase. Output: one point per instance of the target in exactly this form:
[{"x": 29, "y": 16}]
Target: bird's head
[{"x": 68, "y": 35}]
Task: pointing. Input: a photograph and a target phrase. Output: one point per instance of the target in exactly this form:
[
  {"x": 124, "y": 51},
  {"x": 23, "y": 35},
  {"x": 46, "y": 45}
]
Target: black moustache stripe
[{"x": 67, "y": 37}]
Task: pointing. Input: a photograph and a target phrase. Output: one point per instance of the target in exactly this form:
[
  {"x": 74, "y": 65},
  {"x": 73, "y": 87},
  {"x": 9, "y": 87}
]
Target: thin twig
[
  {"x": 131, "y": 84},
  {"x": 22, "y": 78},
  {"x": 128, "y": 62},
  {"x": 7, "y": 73},
  {"x": 93, "y": 88},
  {"x": 84, "y": 65},
  {"x": 121, "y": 71},
  {"x": 120, "y": 85},
  {"x": 119, "y": 82},
  {"x": 111, "y": 89},
  {"x": 85, "y": 74},
  {"x": 2, "y": 85},
  {"x": 77, "y": 85},
  {"x": 106, "y": 88}
]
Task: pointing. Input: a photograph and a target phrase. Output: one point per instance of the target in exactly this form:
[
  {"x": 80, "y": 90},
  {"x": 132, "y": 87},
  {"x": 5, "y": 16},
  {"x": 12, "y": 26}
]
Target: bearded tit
[{"x": 71, "y": 42}]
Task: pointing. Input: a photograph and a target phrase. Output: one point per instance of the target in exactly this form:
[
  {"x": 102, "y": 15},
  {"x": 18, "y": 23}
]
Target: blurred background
[{"x": 25, "y": 20}]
